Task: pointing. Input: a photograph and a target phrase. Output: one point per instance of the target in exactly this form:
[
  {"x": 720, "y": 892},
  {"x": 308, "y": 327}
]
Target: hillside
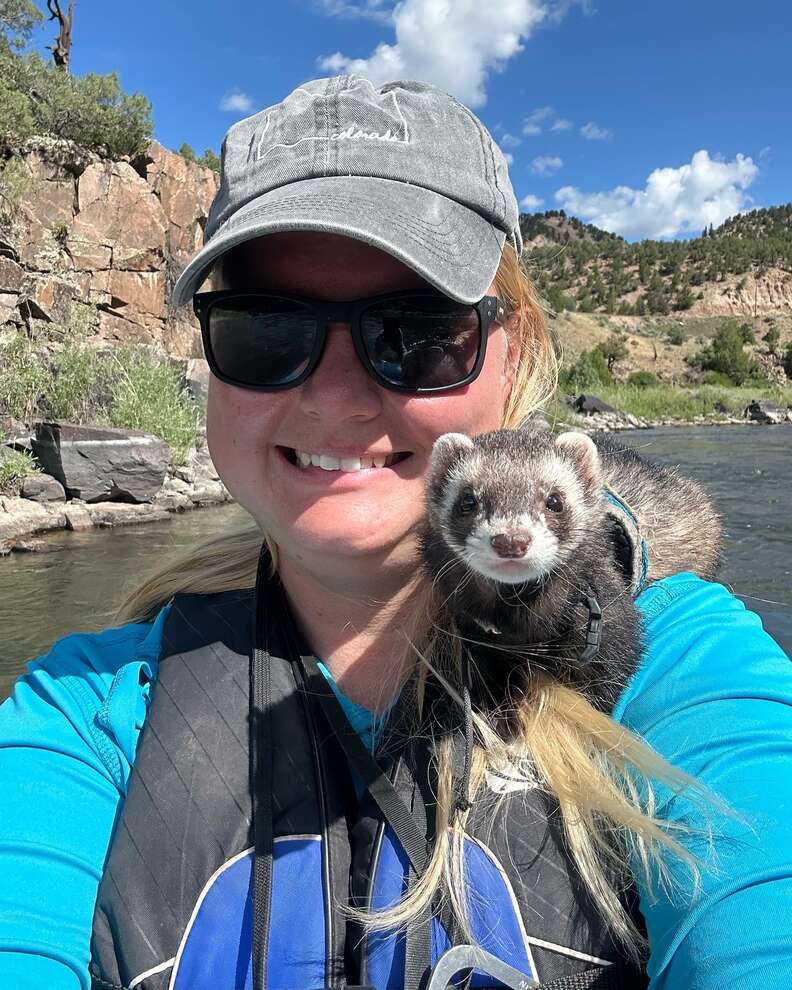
[{"x": 743, "y": 267}]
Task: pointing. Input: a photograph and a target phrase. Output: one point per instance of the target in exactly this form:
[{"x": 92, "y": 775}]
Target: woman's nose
[{"x": 340, "y": 386}]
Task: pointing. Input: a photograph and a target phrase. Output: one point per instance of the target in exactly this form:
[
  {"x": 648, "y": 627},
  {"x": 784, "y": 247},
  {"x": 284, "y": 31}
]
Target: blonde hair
[{"x": 600, "y": 774}]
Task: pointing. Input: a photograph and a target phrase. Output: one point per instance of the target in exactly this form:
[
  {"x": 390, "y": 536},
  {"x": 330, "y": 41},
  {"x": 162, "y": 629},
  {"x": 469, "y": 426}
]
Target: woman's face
[{"x": 341, "y": 411}]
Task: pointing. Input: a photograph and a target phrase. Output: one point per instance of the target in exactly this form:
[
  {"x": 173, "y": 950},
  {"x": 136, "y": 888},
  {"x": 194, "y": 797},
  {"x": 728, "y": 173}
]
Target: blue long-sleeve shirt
[{"x": 713, "y": 695}]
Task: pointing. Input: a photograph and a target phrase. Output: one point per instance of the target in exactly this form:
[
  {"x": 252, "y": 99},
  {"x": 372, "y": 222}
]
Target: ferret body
[{"x": 518, "y": 541}]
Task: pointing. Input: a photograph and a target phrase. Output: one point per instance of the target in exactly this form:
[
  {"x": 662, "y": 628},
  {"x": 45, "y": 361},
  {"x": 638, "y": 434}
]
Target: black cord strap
[
  {"x": 384, "y": 794},
  {"x": 261, "y": 782}
]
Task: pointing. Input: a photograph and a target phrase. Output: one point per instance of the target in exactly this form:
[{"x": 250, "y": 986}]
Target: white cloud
[
  {"x": 510, "y": 141},
  {"x": 237, "y": 102},
  {"x": 454, "y": 45},
  {"x": 531, "y": 202},
  {"x": 674, "y": 200},
  {"x": 535, "y": 121},
  {"x": 561, "y": 124},
  {"x": 509, "y": 157},
  {"x": 766, "y": 153},
  {"x": 370, "y": 10},
  {"x": 593, "y": 132},
  {"x": 546, "y": 164},
  {"x": 560, "y": 8}
]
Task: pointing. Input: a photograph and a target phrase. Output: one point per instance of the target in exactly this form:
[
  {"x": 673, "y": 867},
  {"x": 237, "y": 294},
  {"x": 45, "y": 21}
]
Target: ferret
[{"x": 519, "y": 543}]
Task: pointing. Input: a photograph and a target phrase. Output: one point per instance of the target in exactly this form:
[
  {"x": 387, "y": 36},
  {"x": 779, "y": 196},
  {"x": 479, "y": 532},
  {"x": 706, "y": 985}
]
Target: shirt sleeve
[
  {"x": 68, "y": 735},
  {"x": 713, "y": 695}
]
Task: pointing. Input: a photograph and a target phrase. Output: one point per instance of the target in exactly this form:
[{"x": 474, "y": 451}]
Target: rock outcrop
[
  {"x": 111, "y": 234},
  {"x": 102, "y": 464},
  {"x": 745, "y": 295}
]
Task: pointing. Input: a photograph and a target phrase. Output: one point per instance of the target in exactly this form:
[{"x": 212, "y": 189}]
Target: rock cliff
[{"x": 111, "y": 234}]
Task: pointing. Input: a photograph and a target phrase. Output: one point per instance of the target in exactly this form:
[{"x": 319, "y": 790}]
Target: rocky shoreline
[
  {"x": 193, "y": 485},
  {"x": 606, "y": 422},
  {"x": 598, "y": 416},
  {"x": 196, "y": 484}
]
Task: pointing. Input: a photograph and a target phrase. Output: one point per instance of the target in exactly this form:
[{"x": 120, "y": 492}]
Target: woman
[{"x": 190, "y": 798}]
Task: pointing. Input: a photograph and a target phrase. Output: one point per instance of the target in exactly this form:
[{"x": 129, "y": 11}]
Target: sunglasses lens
[
  {"x": 420, "y": 342},
  {"x": 259, "y": 341}
]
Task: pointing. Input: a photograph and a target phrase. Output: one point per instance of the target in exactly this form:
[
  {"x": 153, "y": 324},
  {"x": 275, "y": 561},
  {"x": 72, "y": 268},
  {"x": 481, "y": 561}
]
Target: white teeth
[{"x": 329, "y": 463}]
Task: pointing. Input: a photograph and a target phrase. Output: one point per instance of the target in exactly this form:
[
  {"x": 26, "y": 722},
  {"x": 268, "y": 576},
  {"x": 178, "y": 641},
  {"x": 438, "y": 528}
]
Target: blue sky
[{"x": 648, "y": 118}]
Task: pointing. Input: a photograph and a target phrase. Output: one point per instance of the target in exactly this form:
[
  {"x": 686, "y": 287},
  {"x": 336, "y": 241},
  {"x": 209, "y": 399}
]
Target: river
[{"x": 79, "y": 583}]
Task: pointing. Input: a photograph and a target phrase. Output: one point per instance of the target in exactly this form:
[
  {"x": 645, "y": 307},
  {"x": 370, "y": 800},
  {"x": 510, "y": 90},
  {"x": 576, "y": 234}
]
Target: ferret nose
[{"x": 510, "y": 546}]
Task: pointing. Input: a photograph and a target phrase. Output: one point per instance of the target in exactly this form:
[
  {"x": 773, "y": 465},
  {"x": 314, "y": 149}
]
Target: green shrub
[
  {"x": 717, "y": 378},
  {"x": 82, "y": 384},
  {"x": 15, "y": 465},
  {"x": 208, "y": 159},
  {"x": 772, "y": 338},
  {"x": 675, "y": 336},
  {"x": 726, "y": 354},
  {"x": 148, "y": 396},
  {"x": 643, "y": 379},
  {"x": 588, "y": 372},
  {"x": 788, "y": 360},
  {"x": 24, "y": 378},
  {"x": 15, "y": 181},
  {"x": 92, "y": 110},
  {"x": 747, "y": 333},
  {"x": 613, "y": 349},
  {"x": 558, "y": 300}
]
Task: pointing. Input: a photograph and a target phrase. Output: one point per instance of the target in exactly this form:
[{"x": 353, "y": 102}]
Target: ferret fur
[{"x": 528, "y": 611}]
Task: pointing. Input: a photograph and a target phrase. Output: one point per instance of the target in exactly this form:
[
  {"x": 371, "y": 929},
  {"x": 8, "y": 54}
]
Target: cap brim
[{"x": 452, "y": 247}]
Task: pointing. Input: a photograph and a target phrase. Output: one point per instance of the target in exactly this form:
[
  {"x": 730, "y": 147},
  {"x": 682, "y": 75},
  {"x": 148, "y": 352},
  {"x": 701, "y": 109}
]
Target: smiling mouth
[{"x": 348, "y": 465}]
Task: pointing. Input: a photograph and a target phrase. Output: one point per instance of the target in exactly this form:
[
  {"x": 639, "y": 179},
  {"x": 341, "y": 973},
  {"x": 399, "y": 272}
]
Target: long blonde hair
[{"x": 600, "y": 774}]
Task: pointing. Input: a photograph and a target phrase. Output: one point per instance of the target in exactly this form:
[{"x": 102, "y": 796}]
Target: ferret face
[{"x": 514, "y": 506}]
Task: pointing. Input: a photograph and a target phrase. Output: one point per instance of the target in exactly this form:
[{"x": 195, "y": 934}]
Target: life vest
[{"x": 176, "y": 903}]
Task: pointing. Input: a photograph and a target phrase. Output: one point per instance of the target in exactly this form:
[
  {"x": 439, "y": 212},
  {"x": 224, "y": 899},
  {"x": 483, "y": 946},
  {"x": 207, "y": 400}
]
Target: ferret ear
[
  {"x": 585, "y": 452},
  {"x": 447, "y": 449}
]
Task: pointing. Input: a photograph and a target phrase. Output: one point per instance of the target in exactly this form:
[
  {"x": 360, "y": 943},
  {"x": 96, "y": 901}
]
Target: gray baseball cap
[{"x": 404, "y": 167}]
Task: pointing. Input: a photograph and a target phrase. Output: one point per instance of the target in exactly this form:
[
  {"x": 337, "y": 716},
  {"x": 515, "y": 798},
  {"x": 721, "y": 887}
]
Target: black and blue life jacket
[{"x": 205, "y": 888}]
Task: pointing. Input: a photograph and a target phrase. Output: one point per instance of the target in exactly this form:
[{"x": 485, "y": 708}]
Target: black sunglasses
[{"x": 411, "y": 341}]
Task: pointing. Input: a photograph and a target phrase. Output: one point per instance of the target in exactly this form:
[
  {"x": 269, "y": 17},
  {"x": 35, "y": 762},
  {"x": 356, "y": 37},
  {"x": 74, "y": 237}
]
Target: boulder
[
  {"x": 50, "y": 299},
  {"x": 8, "y": 306},
  {"x": 764, "y": 411},
  {"x": 587, "y": 404},
  {"x": 196, "y": 379},
  {"x": 77, "y": 518},
  {"x": 11, "y": 275},
  {"x": 42, "y": 488},
  {"x": 20, "y": 516},
  {"x": 100, "y": 464},
  {"x": 121, "y": 514},
  {"x": 11, "y": 279}
]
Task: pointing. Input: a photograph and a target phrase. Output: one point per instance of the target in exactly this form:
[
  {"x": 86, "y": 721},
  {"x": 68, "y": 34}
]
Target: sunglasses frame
[{"x": 490, "y": 309}]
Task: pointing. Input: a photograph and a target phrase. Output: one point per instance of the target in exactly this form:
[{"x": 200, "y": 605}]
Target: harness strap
[{"x": 632, "y": 552}]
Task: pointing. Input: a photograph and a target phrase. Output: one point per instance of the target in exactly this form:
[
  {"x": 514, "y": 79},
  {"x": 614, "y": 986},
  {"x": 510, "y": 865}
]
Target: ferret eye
[
  {"x": 466, "y": 503},
  {"x": 554, "y": 502}
]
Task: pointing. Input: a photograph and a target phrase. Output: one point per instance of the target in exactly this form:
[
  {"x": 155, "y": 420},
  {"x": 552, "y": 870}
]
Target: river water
[{"x": 80, "y": 582}]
